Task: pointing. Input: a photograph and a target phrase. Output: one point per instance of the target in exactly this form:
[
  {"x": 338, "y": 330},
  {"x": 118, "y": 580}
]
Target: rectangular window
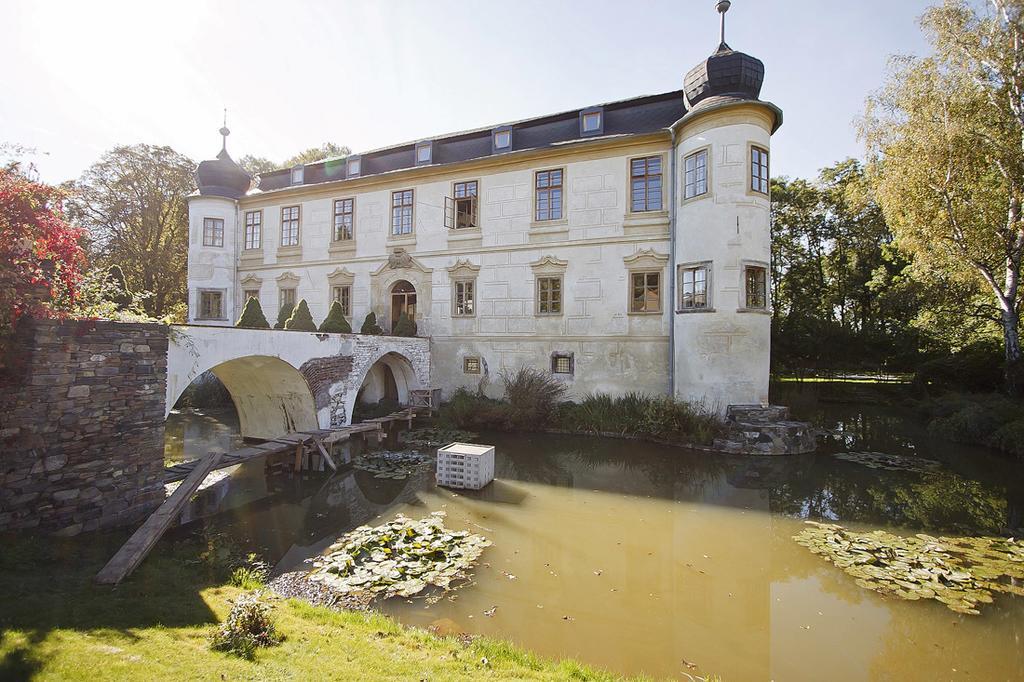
[
  {"x": 759, "y": 170},
  {"x": 298, "y": 172},
  {"x": 290, "y": 226},
  {"x": 549, "y": 295},
  {"x": 591, "y": 122},
  {"x": 465, "y": 298},
  {"x": 286, "y": 297},
  {"x": 343, "y": 295},
  {"x": 645, "y": 184},
  {"x": 213, "y": 232},
  {"x": 465, "y": 207},
  {"x": 695, "y": 181},
  {"x": 423, "y": 152},
  {"x": 503, "y": 139},
  {"x": 693, "y": 287},
  {"x": 344, "y": 216},
  {"x": 471, "y": 365},
  {"x": 250, "y": 293},
  {"x": 353, "y": 166},
  {"x": 645, "y": 292},
  {"x": 211, "y": 305},
  {"x": 756, "y": 286},
  {"x": 561, "y": 363},
  {"x": 548, "y": 195},
  {"x": 401, "y": 212},
  {"x": 253, "y": 229}
]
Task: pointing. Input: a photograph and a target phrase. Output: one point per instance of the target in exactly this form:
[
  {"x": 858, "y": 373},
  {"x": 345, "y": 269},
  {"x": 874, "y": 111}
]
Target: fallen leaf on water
[{"x": 490, "y": 612}]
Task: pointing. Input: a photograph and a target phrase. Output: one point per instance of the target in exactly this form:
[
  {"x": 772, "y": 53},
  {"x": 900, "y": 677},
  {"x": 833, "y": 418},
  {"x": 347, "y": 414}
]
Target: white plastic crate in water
[{"x": 465, "y": 465}]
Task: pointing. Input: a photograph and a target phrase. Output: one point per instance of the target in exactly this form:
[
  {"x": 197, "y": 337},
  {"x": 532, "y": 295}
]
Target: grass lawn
[{"x": 56, "y": 625}]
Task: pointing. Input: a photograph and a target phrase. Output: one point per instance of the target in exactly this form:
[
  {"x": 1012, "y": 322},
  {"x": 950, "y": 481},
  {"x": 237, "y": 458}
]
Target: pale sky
[{"x": 83, "y": 76}]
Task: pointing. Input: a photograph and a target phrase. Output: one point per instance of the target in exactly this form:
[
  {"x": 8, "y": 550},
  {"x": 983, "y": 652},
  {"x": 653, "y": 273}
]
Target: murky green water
[{"x": 645, "y": 559}]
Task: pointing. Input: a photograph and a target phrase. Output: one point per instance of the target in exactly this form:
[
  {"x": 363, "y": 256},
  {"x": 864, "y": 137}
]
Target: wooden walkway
[
  {"x": 290, "y": 442},
  {"x": 195, "y": 472}
]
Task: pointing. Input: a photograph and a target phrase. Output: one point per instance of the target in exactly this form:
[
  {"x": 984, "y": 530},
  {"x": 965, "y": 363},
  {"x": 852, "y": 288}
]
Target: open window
[{"x": 461, "y": 211}]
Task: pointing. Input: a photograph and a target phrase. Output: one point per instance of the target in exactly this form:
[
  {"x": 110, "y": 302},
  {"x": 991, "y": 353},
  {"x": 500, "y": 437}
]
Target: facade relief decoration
[{"x": 401, "y": 266}]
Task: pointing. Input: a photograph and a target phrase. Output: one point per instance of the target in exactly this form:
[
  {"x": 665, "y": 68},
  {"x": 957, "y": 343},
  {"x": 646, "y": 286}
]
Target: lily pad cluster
[
  {"x": 881, "y": 460},
  {"x": 436, "y": 437},
  {"x": 960, "y": 572},
  {"x": 399, "y": 558},
  {"x": 396, "y": 465}
]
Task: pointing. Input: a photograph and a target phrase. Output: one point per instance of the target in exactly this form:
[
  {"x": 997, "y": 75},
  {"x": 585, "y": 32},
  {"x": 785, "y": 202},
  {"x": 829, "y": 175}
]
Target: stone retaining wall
[{"x": 82, "y": 425}]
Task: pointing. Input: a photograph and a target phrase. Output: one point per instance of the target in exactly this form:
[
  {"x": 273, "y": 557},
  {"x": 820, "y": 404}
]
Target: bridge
[{"x": 285, "y": 381}]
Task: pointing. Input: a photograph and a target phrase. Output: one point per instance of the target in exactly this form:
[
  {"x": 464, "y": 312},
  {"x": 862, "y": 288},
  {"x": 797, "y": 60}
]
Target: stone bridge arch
[{"x": 282, "y": 381}]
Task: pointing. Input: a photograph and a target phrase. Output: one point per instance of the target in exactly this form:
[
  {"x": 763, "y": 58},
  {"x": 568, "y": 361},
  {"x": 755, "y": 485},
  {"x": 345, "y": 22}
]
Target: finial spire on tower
[
  {"x": 723, "y": 7},
  {"x": 224, "y": 132}
]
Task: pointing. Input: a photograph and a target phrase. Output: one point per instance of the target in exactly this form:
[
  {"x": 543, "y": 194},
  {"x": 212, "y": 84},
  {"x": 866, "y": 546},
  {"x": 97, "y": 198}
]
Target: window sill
[
  {"x": 404, "y": 240},
  {"x": 547, "y": 314},
  {"x": 651, "y": 222},
  {"x": 252, "y": 256},
  {"x": 645, "y": 313},
  {"x": 755, "y": 311},
  {"x": 546, "y": 232},
  {"x": 210, "y": 319},
  {"x": 541, "y": 224},
  {"x": 689, "y": 311},
  {"x": 464, "y": 234},
  {"x": 347, "y": 246}
]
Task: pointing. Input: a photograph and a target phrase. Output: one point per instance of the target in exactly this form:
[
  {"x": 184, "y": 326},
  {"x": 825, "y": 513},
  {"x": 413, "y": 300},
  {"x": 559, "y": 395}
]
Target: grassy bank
[
  {"x": 55, "y": 624},
  {"x": 535, "y": 401}
]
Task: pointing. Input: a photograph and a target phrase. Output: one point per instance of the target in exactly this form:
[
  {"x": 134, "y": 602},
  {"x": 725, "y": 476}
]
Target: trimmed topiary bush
[
  {"x": 405, "y": 326},
  {"x": 370, "y": 325},
  {"x": 335, "y": 322},
  {"x": 283, "y": 314},
  {"x": 301, "y": 319},
  {"x": 117, "y": 288},
  {"x": 252, "y": 316}
]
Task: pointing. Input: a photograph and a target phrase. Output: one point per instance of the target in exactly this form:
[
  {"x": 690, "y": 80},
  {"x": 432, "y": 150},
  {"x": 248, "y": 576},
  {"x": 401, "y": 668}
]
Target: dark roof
[
  {"x": 635, "y": 116},
  {"x": 222, "y": 177},
  {"x": 726, "y": 72}
]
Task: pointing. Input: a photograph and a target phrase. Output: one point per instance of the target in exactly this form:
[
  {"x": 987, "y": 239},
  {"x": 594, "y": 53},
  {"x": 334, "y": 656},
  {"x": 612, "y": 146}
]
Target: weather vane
[
  {"x": 723, "y": 7},
  {"x": 224, "y": 130}
]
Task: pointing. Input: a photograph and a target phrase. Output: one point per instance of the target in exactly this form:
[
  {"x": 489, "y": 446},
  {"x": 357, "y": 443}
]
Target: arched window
[{"x": 403, "y": 300}]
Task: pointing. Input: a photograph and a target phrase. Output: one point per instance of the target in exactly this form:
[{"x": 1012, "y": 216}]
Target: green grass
[{"x": 56, "y": 625}]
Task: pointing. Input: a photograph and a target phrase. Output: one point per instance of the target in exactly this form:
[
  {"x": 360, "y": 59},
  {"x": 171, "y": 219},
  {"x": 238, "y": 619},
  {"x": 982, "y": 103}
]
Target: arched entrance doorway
[{"x": 403, "y": 300}]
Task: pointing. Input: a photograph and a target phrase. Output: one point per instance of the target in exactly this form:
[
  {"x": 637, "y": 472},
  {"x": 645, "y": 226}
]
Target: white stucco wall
[{"x": 212, "y": 267}]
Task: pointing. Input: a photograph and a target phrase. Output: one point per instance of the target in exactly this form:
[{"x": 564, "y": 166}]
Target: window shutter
[{"x": 449, "y": 213}]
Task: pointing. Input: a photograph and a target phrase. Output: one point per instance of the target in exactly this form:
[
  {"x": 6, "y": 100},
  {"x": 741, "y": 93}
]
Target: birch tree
[{"x": 946, "y": 140}]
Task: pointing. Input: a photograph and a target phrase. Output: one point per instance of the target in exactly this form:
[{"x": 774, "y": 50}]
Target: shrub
[
  {"x": 532, "y": 396},
  {"x": 1009, "y": 438},
  {"x": 405, "y": 326},
  {"x": 301, "y": 319},
  {"x": 381, "y": 408},
  {"x": 283, "y": 314},
  {"x": 248, "y": 627},
  {"x": 977, "y": 367},
  {"x": 250, "y": 575},
  {"x": 335, "y": 322},
  {"x": 370, "y": 325},
  {"x": 637, "y": 414},
  {"x": 252, "y": 316}
]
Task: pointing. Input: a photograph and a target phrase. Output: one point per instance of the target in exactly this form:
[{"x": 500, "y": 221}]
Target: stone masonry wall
[{"x": 82, "y": 425}]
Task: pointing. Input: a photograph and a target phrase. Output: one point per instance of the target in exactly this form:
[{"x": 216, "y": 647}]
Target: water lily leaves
[
  {"x": 881, "y": 460},
  {"x": 399, "y": 558},
  {"x": 432, "y": 438},
  {"x": 392, "y": 465},
  {"x": 960, "y": 572}
]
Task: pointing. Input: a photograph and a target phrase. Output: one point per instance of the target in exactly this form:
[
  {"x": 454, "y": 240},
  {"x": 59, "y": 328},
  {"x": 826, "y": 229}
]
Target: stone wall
[{"x": 82, "y": 425}]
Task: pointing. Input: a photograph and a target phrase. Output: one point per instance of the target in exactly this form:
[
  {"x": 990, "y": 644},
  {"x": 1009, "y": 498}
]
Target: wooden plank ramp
[{"x": 142, "y": 541}]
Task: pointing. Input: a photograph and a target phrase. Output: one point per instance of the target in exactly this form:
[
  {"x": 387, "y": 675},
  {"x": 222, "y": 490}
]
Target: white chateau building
[{"x": 623, "y": 247}]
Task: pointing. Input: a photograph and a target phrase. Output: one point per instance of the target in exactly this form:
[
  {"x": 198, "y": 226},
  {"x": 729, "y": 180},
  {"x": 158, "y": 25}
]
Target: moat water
[{"x": 647, "y": 559}]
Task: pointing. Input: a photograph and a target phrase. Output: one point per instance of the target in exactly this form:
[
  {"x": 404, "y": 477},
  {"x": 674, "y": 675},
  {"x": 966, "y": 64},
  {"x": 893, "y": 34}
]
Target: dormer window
[
  {"x": 353, "y": 166},
  {"x": 502, "y": 140},
  {"x": 592, "y": 121},
  {"x": 298, "y": 173},
  {"x": 424, "y": 151}
]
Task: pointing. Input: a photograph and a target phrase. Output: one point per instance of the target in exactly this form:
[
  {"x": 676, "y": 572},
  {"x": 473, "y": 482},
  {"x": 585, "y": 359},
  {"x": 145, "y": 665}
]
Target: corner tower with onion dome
[
  {"x": 722, "y": 237},
  {"x": 213, "y": 244}
]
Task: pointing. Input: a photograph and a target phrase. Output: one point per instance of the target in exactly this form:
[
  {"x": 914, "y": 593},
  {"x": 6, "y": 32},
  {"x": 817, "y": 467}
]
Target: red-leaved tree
[{"x": 41, "y": 259}]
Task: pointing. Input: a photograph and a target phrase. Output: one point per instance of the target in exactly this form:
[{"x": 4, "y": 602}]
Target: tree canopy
[
  {"x": 258, "y": 164},
  {"x": 133, "y": 202}
]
